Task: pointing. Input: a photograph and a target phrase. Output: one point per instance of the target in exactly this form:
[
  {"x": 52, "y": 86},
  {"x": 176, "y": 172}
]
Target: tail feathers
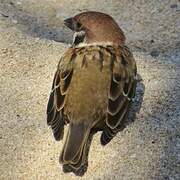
[{"x": 74, "y": 153}]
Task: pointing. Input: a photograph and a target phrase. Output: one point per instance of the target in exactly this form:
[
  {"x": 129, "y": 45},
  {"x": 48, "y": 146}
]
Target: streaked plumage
[{"x": 92, "y": 90}]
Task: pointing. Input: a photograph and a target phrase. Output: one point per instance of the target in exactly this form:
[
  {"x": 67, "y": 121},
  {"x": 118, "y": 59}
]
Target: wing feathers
[
  {"x": 114, "y": 120},
  {"x": 122, "y": 87},
  {"x": 61, "y": 82}
]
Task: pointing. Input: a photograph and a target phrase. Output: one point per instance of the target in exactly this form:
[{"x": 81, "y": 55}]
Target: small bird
[{"x": 92, "y": 89}]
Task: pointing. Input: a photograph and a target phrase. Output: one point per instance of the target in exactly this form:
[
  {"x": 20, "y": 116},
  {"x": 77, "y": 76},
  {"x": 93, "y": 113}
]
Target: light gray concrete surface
[{"x": 32, "y": 39}]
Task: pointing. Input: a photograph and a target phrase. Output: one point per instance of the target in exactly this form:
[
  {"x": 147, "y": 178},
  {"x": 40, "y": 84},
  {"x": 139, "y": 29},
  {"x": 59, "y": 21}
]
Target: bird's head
[{"x": 95, "y": 27}]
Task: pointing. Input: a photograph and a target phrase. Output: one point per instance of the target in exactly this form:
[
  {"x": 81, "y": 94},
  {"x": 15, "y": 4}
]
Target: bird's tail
[{"x": 75, "y": 150}]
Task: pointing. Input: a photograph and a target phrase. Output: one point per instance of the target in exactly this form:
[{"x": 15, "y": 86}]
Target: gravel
[{"x": 32, "y": 39}]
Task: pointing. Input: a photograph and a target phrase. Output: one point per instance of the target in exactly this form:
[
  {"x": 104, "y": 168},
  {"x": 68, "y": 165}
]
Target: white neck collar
[{"x": 95, "y": 44}]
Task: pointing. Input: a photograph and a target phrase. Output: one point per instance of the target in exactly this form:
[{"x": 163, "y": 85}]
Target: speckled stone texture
[{"x": 32, "y": 39}]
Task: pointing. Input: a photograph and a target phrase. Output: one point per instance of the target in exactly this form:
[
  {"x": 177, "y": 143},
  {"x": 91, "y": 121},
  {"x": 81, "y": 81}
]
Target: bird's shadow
[
  {"x": 137, "y": 102},
  {"x": 131, "y": 117}
]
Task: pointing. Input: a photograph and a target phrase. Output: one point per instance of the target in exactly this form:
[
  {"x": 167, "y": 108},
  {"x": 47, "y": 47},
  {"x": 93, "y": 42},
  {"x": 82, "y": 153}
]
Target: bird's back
[
  {"x": 92, "y": 89},
  {"x": 87, "y": 96}
]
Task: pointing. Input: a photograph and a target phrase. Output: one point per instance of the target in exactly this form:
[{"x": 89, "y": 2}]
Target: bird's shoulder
[{"x": 106, "y": 55}]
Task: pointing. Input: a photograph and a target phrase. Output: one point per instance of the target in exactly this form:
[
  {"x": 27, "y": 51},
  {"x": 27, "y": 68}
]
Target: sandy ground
[{"x": 32, "y": 39}]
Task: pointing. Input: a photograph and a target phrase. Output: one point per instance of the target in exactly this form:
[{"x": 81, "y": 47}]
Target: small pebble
[
  {"x": 19, "y": 2},
  {"x": 174, "y": 6},
  {"x": 152, "y": 41},
  {"x": 14, "y": 21},
  {"x": 154, "y": 53}
]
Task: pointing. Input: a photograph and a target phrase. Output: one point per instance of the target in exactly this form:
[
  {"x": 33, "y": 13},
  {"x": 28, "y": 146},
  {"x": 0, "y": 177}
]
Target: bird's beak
[{"x": 70, "y": 23}]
